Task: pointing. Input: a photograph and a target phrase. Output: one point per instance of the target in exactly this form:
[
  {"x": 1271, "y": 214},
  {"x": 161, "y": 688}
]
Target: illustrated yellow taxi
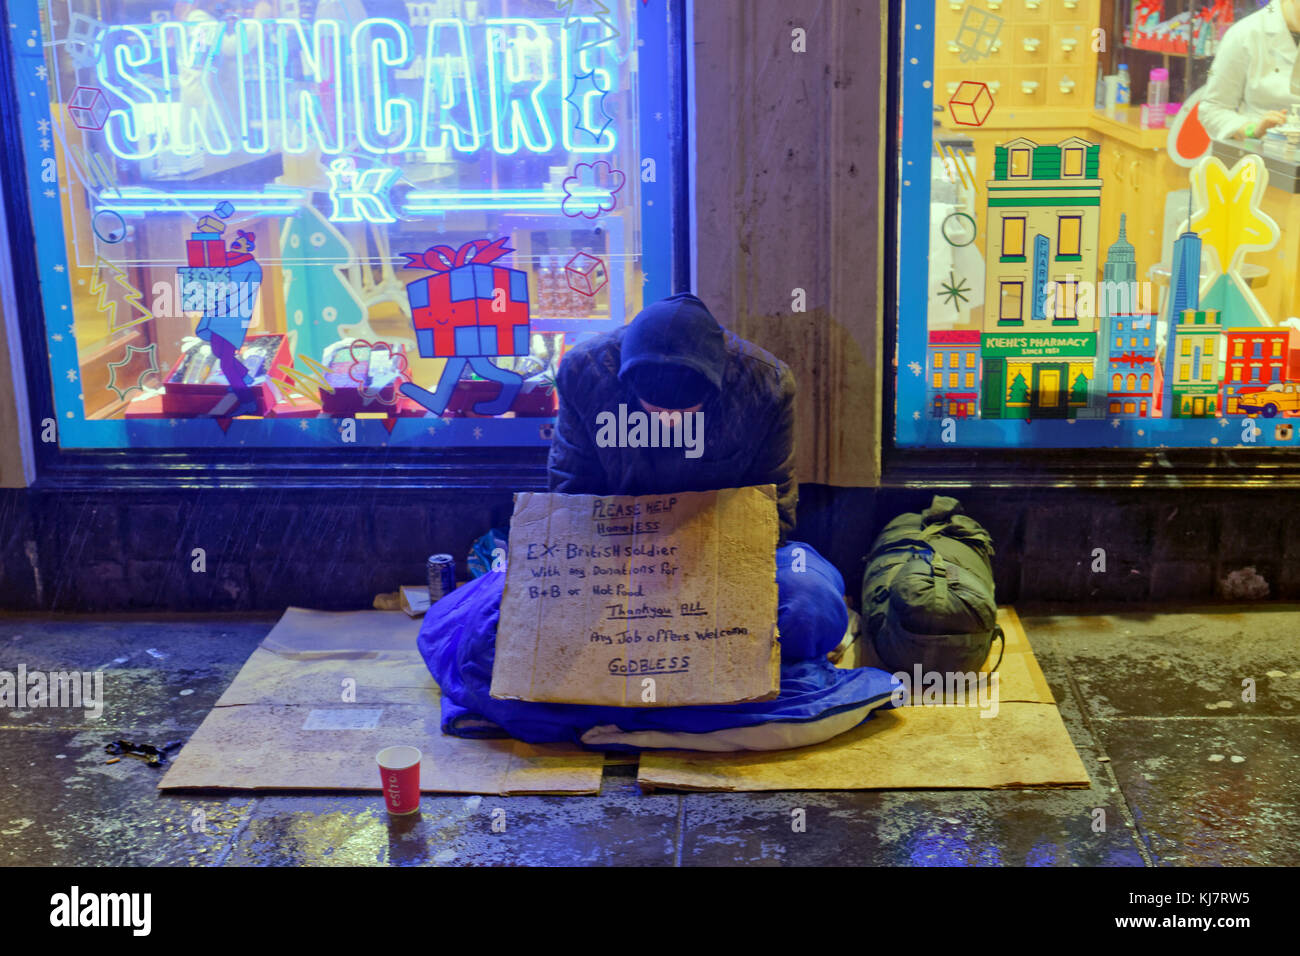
[{"x": 1268, "y": 401}]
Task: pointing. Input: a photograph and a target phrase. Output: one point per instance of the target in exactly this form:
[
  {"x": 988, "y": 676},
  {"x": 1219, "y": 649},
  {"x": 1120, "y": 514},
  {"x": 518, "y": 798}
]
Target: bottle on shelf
[
  {"x": 1122, "y": 92},
  {"x": 545, "y": 303},
  {"x": 1157, "y": 97},
  {"x": 559, "y": 290}
]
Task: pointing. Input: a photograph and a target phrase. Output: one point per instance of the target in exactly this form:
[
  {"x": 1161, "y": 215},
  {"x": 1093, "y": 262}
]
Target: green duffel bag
[{"x": 927, "y": 594}]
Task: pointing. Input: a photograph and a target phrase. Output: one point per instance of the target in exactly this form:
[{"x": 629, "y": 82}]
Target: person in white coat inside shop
[{"x": 1255, "y": 77}]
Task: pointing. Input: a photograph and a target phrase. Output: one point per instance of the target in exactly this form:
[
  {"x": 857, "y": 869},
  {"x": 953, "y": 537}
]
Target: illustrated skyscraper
[
  {"x": 1184, "y": 293},
  {"x": 1117, "y": 295}
]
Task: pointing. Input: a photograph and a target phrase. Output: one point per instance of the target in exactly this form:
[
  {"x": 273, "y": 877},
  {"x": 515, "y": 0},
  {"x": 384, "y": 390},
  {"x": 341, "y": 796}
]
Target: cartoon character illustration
[
  {"x": 223, "y": 284},
  {"x": 469, "y": 311}
]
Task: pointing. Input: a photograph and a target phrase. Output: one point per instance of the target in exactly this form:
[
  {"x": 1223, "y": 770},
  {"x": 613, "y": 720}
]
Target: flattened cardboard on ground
[
  {"x": 603, "y": 592},
  {"x": 909, "y": 748},
  {"x": 283, "y": 724}
]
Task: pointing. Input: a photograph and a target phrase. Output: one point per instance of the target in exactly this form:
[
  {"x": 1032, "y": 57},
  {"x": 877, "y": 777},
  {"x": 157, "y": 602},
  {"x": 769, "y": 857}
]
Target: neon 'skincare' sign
[{"x": 266, "y": 84}]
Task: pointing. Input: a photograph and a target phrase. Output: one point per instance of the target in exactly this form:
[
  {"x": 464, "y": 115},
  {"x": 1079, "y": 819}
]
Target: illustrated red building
[
  {"x": 1258, "y": 357},
  {"x": 953, "y": 373}
]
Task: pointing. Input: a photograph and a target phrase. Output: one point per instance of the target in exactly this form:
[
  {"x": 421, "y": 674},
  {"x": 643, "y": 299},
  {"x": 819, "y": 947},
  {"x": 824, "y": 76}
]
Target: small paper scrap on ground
[{"x": 647, "y": 601}]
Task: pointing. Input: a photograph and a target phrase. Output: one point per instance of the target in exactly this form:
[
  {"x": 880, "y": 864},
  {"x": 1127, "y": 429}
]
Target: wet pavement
[{"x": 1188, "y": 723}]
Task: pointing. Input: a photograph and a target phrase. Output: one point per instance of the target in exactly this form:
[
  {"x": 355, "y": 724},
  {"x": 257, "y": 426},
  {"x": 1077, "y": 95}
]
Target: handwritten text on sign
[{"x": 603, "y": 592}]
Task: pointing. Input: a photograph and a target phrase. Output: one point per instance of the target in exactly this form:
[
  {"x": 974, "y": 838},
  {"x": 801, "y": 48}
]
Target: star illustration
[
  {"x": 1228, "y": 218},
  {"x": 954, "y": 291},
  {"x": 151, "y": 351}
]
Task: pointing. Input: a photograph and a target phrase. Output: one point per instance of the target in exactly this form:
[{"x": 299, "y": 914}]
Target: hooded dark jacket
[{"x": 748, "y": 427}]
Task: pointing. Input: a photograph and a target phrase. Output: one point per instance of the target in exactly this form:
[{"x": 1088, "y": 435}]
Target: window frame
[
  {"x": 926, "y": 468},
  {"x": 467, "y": 467}
]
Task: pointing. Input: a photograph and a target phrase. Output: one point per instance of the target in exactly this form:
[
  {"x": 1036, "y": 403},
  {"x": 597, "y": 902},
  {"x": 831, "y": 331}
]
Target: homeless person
[{"x": 735, "y": 402}]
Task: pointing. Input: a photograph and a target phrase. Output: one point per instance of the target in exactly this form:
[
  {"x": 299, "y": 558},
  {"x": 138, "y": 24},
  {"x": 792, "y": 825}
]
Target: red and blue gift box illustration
[
  {"x": 470, "y": 310},
  {"x": 470, "y": 306}
]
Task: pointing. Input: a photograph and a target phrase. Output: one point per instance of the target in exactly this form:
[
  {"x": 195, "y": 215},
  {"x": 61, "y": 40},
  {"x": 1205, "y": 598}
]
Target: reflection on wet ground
[{"x": 1186, "y": 769}]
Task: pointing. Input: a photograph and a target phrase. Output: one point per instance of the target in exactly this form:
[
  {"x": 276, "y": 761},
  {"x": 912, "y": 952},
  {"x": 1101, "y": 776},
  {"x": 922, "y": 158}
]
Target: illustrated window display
[
  {"x": 292, "y": 223},
  {"x": 1113, "y": 210}
]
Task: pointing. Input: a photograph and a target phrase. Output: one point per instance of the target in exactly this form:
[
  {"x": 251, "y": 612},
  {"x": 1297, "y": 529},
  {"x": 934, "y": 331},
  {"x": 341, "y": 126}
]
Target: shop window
[
  {"x": 1012, "y": 293},
  {"x": 970, "y": 379},
  {"x": 1013, "y": 237},
  {"x": 1067, "y": 301},
  {"x": 970, "y": 359},
  {"x": 1068, "y": 234},
  {"x": 267, "y": 221},
  {"x": 1039, "y": 194},
  {"x": 1072, "y": 162},
  {"x": 953, "y": 359}
]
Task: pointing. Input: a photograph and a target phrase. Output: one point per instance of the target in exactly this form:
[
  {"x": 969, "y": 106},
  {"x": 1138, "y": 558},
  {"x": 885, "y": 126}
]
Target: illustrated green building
[
  {"x": 1039, "y": 333},
  {"x": 1195, "y": 363}
]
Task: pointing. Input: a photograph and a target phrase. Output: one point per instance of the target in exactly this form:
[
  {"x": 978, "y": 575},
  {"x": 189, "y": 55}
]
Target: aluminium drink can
[{"x": 442, "y": 576}]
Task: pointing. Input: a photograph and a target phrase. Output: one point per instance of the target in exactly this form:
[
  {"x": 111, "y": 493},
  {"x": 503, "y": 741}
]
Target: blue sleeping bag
[{"x": 817, "y": 700}]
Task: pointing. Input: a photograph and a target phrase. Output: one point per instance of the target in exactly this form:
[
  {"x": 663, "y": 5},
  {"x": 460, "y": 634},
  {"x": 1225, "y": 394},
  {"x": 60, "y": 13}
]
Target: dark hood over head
[{"x": 673, "y": 353}]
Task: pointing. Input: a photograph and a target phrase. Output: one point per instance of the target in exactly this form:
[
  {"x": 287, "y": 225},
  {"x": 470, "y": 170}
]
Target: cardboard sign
[{"x": 648, "y": 601}]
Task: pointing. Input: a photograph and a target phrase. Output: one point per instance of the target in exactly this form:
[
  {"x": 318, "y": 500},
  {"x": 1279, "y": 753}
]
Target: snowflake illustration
[
  {"x": 303, "y": 424},
  {"x": 72, "y": 375},
  {"x": 915, "y": 367},
  {"x": 916, "y": 416},
  {"x": 45, "y": 144},
  {"x": 1114, "y": 423},
  {"x": 478, "y": 433},
  {"x": 51, "y": 194},
  {"x": 58, "y": 266},
  {"x": 954, "y": 291},
  {"x": 57, "y": 336},
  {"x": 1223, "y": 423},
  {"x": 43, "y": 125},
  {"x": 41, "y": 72}
]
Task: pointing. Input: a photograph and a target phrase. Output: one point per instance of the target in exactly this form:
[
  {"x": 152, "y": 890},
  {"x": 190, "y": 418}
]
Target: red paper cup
[{"x": 399, "y": 775}]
